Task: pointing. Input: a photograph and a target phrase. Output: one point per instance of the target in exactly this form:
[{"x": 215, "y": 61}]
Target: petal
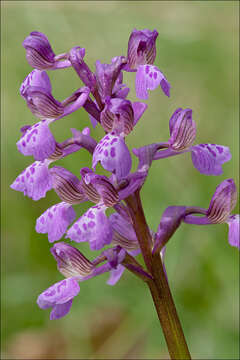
[
  {"x": 37, "y": 141},
  {"x": 59, "y": 293},
  {"x": 113, "y": 154},
  {"x": 36, "y": 78},
  {"x": 124, "y": 234},
  {"x": 233, "y": 234},
  {"x": 208, "y": 158},
  {"x": 39, "y": 53},
  {"x": 182, "y": 130},
  {"x": 138, "y": 109},
  {"x": 149, "y": 77},
  {"x": 115, "y": 275},
  {"x": 223, "y": 202},
  {"x": 93, "y": 227},
  {"x": 34, "y": 181},
  {"x": 70, "y": 261},
  {"x": 60, "y": 310},
  {"x": 141, "y": 47},
  {"x": 55, "y": 221}
]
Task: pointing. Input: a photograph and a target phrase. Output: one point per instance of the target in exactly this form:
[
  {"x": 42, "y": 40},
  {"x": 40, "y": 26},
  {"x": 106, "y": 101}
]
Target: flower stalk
[{"x": 159, "y": 286}]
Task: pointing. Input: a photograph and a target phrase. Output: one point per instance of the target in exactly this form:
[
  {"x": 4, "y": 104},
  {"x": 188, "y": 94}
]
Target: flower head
[{"x": 141, "y": 48}]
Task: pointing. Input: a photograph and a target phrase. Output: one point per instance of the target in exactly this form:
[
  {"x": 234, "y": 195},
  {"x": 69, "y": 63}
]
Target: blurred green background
[{"x": 197, "y": 49}]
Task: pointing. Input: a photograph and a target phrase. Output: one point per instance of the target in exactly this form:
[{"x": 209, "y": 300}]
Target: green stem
[{"x": 159, "y": 287}]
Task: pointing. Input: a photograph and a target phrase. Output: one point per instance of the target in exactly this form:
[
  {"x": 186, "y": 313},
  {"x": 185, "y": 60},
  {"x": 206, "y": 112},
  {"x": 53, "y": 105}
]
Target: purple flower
[
  {"x": 67, "y": 185},
  {"x": 93, "y": 227},
  {"x": 59, "y": 297},
  {"x": 98, "y": 188},
  {"x": 182, "y": 129},
  {"x": 113, "y": 154},
  {"x": 149, "y": 77},
  {"x": 123, "y": 232},
  {"x": 38, "y": 141},
  {"x": 208, "y": 158},
  {"x": 141, "y": 48},
  {"x": 117, "y": 116},
  {"x": 36, "y": 90},
  {"x": 55, "y": 221},
  {"x": 40, "y": 55},
  {"x": 219, "y": 211},
  {"x": 34, "y": 181},
  {"x": 70, "y": 261},
  {"x": 223, "y": 202}
]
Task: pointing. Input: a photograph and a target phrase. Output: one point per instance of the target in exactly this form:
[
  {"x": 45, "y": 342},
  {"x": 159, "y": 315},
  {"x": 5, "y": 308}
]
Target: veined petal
[
  {"x": 124, "y": 234},
  {"x": 117, "y": 116},
  {"x": 141, "y": 47},
  {"x": 113, "y": 154},
  {"x": 55, "y": 221},
  {"x": 93, "y": 227},
  {"x": 233, "y": 234},
  {"x": 98, "y": 188},
  {"x": 70, "y": 261},
  {"x": 223, "y": 202},
  {"x": 149, "y": 77},
  {"x": 37, "y": 141},
  {"x": 208, "y": 158},
  {"x": 182, "y": 129},
  {"x": 34, "y": 181}
]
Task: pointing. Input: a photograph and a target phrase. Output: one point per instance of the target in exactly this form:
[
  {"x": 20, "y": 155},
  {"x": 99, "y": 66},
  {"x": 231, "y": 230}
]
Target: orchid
[{"x": 125, "y": 234}]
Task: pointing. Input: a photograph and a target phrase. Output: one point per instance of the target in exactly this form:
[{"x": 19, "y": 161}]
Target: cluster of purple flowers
[{"x": 104, "y": 97}]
